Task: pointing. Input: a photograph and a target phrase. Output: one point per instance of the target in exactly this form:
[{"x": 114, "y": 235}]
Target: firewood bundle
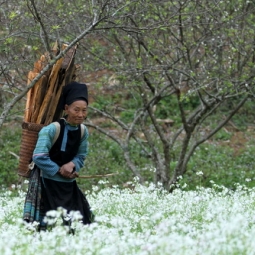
[
  {"x": 43, "y": 98},
  {"x": 42, "y": 105}
]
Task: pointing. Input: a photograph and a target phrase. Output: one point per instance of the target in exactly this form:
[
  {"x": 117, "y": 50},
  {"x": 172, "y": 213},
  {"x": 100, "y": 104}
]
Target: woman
[{"x": 60, "y": 161}]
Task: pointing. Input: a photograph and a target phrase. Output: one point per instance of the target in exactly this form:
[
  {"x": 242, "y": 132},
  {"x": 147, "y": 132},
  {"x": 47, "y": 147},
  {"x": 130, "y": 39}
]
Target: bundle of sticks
[
  {"x": 42, "y": 99},
  {"x": 42, "y": 105}
]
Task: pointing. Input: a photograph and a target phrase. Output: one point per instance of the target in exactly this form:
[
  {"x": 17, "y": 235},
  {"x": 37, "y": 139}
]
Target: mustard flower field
[{"x": 141, "y": 220}]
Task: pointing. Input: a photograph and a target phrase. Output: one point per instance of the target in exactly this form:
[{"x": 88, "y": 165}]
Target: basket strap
[
  {"x": 82, "y": 130},
  {"x": 57, "y": 125}
]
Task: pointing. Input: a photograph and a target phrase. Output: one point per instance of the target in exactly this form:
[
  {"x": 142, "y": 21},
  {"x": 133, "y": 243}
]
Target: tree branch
[{"x": 15, "y": 99}]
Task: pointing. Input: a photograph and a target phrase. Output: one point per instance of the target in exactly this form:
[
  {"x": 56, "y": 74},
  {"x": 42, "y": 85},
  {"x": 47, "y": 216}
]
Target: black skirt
[{"x": 66, "y": 195}]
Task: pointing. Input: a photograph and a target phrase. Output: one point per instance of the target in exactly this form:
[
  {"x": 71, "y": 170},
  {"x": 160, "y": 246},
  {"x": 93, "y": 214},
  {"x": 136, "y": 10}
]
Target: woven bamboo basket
[
  {"x": 42, "y": 102},
  {"x": 28, "y": 141}
]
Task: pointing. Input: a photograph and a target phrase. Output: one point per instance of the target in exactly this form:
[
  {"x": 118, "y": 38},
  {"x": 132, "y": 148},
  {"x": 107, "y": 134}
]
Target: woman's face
[{"x": 76, "y": 112}]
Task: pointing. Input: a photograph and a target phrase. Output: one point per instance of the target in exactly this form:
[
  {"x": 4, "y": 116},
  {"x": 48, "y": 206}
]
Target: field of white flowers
[{"x": 143, "y": 220}]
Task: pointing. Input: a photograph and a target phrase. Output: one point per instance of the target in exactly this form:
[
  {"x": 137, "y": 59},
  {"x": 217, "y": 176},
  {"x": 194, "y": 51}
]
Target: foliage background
[
  {"x": 226, "y": 159},
  {"x": 200, "y": 52}
]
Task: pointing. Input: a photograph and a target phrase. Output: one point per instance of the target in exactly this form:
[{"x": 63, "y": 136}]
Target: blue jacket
[{"x": 44, "y": 143}]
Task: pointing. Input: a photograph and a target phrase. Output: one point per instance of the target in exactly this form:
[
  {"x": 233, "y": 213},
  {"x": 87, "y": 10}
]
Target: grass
[{"x": 142, "y": 220}]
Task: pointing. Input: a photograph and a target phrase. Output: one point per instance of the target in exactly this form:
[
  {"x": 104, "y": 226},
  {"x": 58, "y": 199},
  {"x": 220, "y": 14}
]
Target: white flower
[{"x": 184, "y": 185}]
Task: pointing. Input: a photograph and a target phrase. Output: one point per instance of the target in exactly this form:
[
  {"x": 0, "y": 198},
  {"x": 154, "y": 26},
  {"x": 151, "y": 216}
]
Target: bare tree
[
  {"x": 153, "y": 52},
  {"x": 182, "y": 51},
  {"x": 38, "y": 13}
]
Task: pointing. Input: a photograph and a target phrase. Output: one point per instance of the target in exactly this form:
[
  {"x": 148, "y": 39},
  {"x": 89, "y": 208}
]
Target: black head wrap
[{"x": 74, "y": 91}]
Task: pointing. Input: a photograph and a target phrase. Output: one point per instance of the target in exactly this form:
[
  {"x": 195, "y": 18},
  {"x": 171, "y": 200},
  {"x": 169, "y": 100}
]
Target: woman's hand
[{"x": 67, "y": 170}]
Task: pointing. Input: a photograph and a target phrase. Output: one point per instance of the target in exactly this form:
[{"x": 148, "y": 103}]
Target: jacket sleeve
[{"x": 41, "y": 152}]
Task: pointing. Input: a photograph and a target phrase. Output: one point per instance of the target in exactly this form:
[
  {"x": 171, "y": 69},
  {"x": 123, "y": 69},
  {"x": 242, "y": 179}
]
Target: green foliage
[
  {"x": 127, "y": 116},
  {"x": 104, "y": 157},
  {"x": 168, "y": 107},
  {"x": 9, "y": 143},
  {"x": 219, "y": 164},
  {"x": 222, "y": 135},
  {"x": 187, "y": 45},
  {"x": 102, "y": 102},
  {"x": 245, "y": 115}
]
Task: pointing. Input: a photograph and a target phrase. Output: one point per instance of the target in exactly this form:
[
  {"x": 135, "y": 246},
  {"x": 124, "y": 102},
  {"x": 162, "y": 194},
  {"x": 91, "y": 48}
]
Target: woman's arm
[{"x": 41, "y": 152}]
